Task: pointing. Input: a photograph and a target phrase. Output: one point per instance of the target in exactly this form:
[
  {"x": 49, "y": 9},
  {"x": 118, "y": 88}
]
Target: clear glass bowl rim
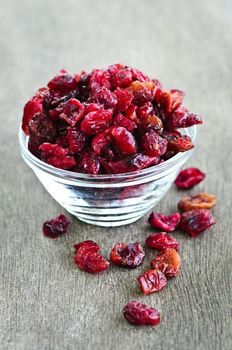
[{"x": 156, "y": 169}]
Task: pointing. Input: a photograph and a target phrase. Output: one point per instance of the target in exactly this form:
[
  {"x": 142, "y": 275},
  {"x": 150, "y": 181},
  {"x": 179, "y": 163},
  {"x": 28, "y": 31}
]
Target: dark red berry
[
  {"x": 167, "y": 223},
  {"x": 196, "y": 221},
  {"x": 132, "y": 163},
  {"x": 71, "y": 111},
  {"x": 63, "y": 82},
  {"x": 152, "y": 281},
  {"x": 153, "y": 144},
  {"x": 104, "y": 96},
  {"x": 128, "y": 255},
  {"x": 76, "y": 140},
  {"x": 31, "y": 108},
  {"x": 140, "y": 314},
  {"x": 56, "y": 156},
  {"x": 162, "y": 241},
  {"x": 189, "y": 178},
  {"x": 120, "y": 120},
  {"x": 122, "y": 78},
  {"x": 56, "y": 227},
  {"x": 88, "y": 163},
  {"x": 96, "y": 121},
  {"x": 168, "y": 262},
  {"x": 99, "y": 78},
  {"x": 124, "y": 140}
]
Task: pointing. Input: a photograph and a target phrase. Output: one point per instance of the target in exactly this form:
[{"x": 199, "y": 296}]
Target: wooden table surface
[{"x": 45, "y": 301}]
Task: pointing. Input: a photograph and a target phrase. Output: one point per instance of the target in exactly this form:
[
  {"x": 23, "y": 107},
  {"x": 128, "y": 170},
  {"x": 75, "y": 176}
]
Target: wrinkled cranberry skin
[
  {"x": 32, "y": 107},
  {"x": 96, "y": 121},
  {"x": 162, "y": 241},
  {"x": 56, "y": 227},
  {"x": 182, "y": 118},
  {"x": 105, "y": 97},
  {"x": 180, "y": 144},
  {"x": 124, "y": 99},
  {"x": 198, "y": 201},
  {"x": 189, "y": 178},
  {"x": 168, "y": 262},
  {"x": 140, "y": 314},
  {"x": 124, "y": 140},
  {"x": 143, "y": 92},
  {"x": 127, "y": 255},
  {"x": 120, "y": 120},
  {"x": 132, "y": 163},
  {"x": 99, "y": 78},
  {"x": 152, "y": 281},
  {"x": 56, "y": 156},
  {"x": 88, "y": 259},
  {"x": 88, "y": 163},
  {"x": 76, "y": 140},
  {"x": 101, "y": 141},
  {"x": 63, "y": 83},
  {"x": 122, "y": 78},
  {"x": 71, "y": 111},
  {"x": 153, "y": 144},
  {"x": 41, "y": 129},
  {"x": 167, "y": 223},
  {"x": 196, "y": 221}
]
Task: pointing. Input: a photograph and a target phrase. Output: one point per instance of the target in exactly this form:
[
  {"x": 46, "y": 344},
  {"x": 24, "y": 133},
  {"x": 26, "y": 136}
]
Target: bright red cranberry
[
  {"x": 132, "y": 163},
  {"x": 101, "y": 141},
  {"x": 196, "y": 221},
  {"x": 99, "y": 78},
  {"x": 76, "y": 140},
  {"x": 138, "y": 75},
  {"x": 128, "y": 255},
  {"x": 88, "y": 245},
  {"x": 122, "y": 78},
  {"x": 105, "y": 97},
  {"x": 63, "y": 82},
  {"x": 124, "y": 140},
  {"x": 189, "y": 178},
  {"x": 153, "y": 144},
  {"x": 96, "y": 121},
  {"x": 162, "y": 241},
  {"x": 152, "y": 281},
  {"x": 167, "y": 223},
  {"x": 140, "y": 314},
  {"x": 56, "y": 156},
  {"x": 124, "y": 99},
  {"x": 182, "y": 118},
  {"x": 120, "y": 120},
  {"x": 56, "y": 227},
  {"x": 168, "y": 262},
  {"x": 88, "y": 163},
  {"x": 71, "y": 111},
  {"x": 31, "y": 108}
]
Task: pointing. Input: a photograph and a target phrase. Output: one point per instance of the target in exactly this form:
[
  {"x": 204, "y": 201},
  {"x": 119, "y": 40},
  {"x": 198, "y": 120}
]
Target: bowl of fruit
[{"x": 107, "y": 145}]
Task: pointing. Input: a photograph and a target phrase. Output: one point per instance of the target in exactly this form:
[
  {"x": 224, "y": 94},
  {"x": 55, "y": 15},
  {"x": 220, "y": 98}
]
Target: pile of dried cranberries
[
  {"x": 194, "y": 218},
  {"x": 112, "y": 120}
]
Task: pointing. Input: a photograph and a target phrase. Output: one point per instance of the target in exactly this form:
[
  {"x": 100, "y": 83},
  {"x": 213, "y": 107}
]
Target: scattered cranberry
[
  {"x": 128, "y": 255},
  {"x": 198, "y": 201},
  {"x": 152, "y": 281},
  {"x": 88, "y": 259},
  {"x": 167, "y": 223},
  {"x": 168, "y": 262},
  {"x": 196, "y": 221},
  {"x": 140, "y": 314},
  {"x": 189, "y": 178},
  {"x": 126, "y": 118},
  {"x": 56, "y": 227},
  {"x": 162, "y": 241}
]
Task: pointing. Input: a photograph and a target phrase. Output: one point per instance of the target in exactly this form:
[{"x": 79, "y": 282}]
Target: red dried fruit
[
  {"x": 76, "y": 140},
  {"x": 180, "y": 144},
  {"x": 138, "y": 75},
  {"x": 140, "y": 314},
  {"x": 170, "y": 100},
  {"x": 105, "y": 97},
  {"x": 189, "y": 178},
  {"x": 143, "y": 92},
  {"x": 88, "y": 245},
  {"x": 88, "y": 259},
  {"x": 122, "y": 78},
  {"x": 124, "y": 140},
  {"x": 101, "y": 141},
  {"x": 198, "y": 201},
  {"x": 91, "y": 107},
  {"x": 152, "y": 281},
  {"x": 127, "y": 255},
  {"x": 71, "y": 111},
  {"x": 168, "y": 262},
  {"x": 182, "y": 118},
  {"x": 114, "y": 68},
  {"x": 120, "y": 120},
  {"x": 96, "y": 121},
  {"x": 124, "y": 99},
  {"x": 56, "y": 227},
  {"x": 130, "y": 113},
  {"x": 41, "y": 129},
  {"x": 132, "y": 163},
  {"x": 31, "y": 108},
  {"x": 88, "y": 163},
  {"x": 162, "y": 241},
  {"x": 153, "y": 144},
  {"x": 153, "y": 122},
  {"x": 63, "y": 83},
  {"x": 56, "y": 156},
  {"x": 196, "y": 221},
  {"x": 99, "y": 78},
  {"x": 167, "y": 223},
  {"x": 144, "y": 110}
]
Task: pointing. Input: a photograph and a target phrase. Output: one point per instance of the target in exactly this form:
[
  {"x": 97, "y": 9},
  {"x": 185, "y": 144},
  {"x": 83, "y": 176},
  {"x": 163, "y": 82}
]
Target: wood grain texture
[{"x": 45, "y": 302}]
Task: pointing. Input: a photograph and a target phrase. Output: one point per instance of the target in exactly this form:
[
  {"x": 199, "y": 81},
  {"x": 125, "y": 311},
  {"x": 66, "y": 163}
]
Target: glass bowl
[{"x": 107, "y": 200}]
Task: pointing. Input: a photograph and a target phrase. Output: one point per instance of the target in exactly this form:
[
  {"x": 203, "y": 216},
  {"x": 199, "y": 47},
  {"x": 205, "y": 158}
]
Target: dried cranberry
[
  {"x": 196, "y": 221},
  {"x": 180, "y": 144},
  {"x": 140, "y": 314},
  {"x": 144, "y": 110},
  {"x": 143, "y": 92},
  {"x": 182, "y": 118},
  {"x": 63, "y": 82},
  {"x": 56, "y": 227},
  {"x": 128, "y": 255},
  {"x": 167, "y": 223},
  {"x": 91, "y": 107},
  {"x": 162, "y": 241},
  {"x": 96, "y": 121},
  {"x": 33, "y": 146},
  {"x": 130, "y": 113},
  {"x": 153, "y": 122},
  {"x": 122, "y": 78},
  {"x": 124, "y": 140},
  {"x": 71, "y": 111},
  {"x": 168, "y": 262},
  {"x": 189, "y": 178},
  {"x": 32, "y": 107},
  {"x": 114, "y": 68},
  {"x": 132, "y": 163},
  {"x": 88, "y": 163},
  {"x": 56, "y": 156},
  {"x": 198, "y": 201},
  {"x": 138, "y": 75},
  {"x": 152, "y": 281},
  {"x": 120, "y": 120},
  {"x": 101, "y": 140},
  {"x": 88, "y": 259},
  {"x": 99, "y": 78},
  {"x": 124, "y": 99},
  {"x": 76, "y": 140},
  {"x": 153, "y": 144},
  {"x": 104, "y": 96},
  {"x": 171, "y": 99}
]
